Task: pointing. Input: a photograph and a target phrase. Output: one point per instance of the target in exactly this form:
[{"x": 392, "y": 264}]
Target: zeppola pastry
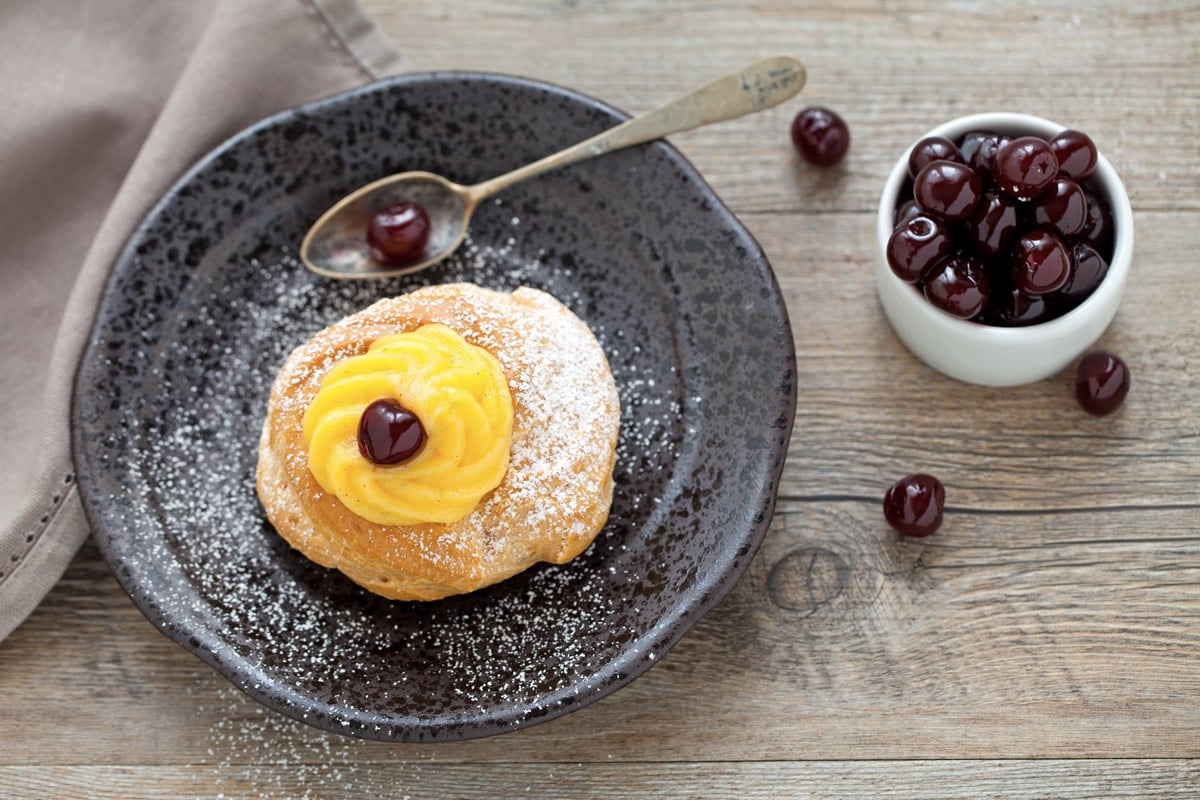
[{"x": 441, "y": 441}]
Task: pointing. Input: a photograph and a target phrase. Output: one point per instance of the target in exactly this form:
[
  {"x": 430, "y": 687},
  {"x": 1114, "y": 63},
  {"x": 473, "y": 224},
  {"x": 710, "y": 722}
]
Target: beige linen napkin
[{"x": 102, "y": 106}]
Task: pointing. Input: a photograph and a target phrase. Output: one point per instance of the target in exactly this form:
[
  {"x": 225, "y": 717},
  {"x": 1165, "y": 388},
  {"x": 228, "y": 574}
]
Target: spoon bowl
[{"x": 336, "y": 246}]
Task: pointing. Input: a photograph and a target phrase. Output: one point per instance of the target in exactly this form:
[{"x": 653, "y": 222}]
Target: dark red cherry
[
  {"x": 993, "y": 227},
  {"x": 1024, "y": 167},
  {"x": 932, "y": 148},
  {"x": 1098, "y": 227},
  {"x": 1010, "y": 307},
  {"x": 917, "y": 245},
  {"x": 388, "y": 433},
  {"x": 1040, "y": 263},
  {"x": 947, "y": 189},
  {"x": 1061, "y": 208},
  {"x": 983, "y": 156},
  {"x": 958, "y": 286},
  {"x": 908, "y": 210},
  {"x": 398, "y": 233},
  {"x": 914, "y": 504},
  {"x": 1076, "y": 154},
  {"x": 820, "y": 135},
  {"x": 970, "y": 142},
  {"x": 1101, "y": 382},
  {"x": 1088, "y": 268}
]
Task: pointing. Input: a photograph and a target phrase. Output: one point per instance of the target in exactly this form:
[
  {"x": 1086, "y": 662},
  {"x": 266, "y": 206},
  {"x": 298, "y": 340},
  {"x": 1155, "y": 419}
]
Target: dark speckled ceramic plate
[{"x": 208, "y": 298}]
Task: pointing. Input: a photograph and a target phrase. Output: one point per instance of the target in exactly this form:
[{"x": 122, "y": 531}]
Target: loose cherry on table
[
  {"x": 820, "y": 135},
  {"x": 1101, "y": 382},
  {"x": 914, "y": 505}
]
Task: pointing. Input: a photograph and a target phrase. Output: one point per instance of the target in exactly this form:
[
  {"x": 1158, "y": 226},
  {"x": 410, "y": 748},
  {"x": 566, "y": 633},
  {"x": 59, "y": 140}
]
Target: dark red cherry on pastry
[
  {"x": 993, "y": 227},
  {"x": 1076, "y": 154},
  {"x": 915, "y": 246},
  {"x": 388, "y": 433},
  {"x": 398, "y": 233},
  {"x": 958, "y": 286},
  {"x": 1101, "y": 382},
  {"x": 932, "y": 148},
  {"x": 1088, "y": 268},
  {"x": 914, "y": 505},
  {"x": 1041, "y": 263},
  {"x": 820, "y": 135},
  {"x": 1024, "y": 167},
  {"x": 1061, "y": 208},
  {"x": 947, "y": 190}
]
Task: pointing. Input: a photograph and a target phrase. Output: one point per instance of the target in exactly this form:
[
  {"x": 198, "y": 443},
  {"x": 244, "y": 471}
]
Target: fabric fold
[{"x": 142, "y": 93}]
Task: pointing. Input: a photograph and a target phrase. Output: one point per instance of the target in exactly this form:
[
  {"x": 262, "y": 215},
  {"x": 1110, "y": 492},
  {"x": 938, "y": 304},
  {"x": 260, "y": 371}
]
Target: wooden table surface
[{"x": 1045, "y": 643}]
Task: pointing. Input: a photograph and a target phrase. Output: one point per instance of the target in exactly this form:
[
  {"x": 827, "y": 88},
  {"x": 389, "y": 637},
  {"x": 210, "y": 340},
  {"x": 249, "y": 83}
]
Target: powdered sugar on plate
[{"x": 207, "y": 383}]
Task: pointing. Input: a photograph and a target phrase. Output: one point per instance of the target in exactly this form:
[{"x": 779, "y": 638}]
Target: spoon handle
[{"x": 754, "y": 88}]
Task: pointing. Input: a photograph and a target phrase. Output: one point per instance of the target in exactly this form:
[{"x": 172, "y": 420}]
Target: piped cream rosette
[{"x": 457, "y": 391}]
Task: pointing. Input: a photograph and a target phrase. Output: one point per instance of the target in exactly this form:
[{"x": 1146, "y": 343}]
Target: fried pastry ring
[{"x": 554, "y": 497}]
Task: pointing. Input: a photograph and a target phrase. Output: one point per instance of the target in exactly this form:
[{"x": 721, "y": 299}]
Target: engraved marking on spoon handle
[{"x": 746, "y": 91}]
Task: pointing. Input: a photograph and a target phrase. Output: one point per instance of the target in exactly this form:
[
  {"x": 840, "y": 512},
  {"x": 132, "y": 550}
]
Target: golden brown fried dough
[{"x": 555, "y": 495}]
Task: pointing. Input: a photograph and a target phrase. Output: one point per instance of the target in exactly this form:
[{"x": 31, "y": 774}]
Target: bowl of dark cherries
[{"x": 1005, "y": 242}]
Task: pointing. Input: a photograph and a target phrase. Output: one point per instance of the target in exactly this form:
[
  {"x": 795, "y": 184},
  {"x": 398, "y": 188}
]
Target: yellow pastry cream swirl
[{"x": 459, "y": 393}]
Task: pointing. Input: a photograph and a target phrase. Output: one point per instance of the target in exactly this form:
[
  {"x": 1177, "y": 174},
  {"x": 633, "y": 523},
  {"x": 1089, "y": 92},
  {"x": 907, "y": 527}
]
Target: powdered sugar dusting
[
  {"x": 305, "y": 626},
  {"x": 205, "y": 305}
]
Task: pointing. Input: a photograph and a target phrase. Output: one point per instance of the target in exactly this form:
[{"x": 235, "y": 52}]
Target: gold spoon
[{"x": 336, "y": 245}]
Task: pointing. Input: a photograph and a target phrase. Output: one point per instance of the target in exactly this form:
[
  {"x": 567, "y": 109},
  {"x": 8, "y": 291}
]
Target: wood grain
[
  {"x": 1045, "y": 643},
  {"x": 814, "y": 780}
]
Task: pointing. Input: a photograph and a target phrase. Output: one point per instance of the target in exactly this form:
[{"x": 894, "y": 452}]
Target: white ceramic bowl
[{"x": 996, "y": 356}]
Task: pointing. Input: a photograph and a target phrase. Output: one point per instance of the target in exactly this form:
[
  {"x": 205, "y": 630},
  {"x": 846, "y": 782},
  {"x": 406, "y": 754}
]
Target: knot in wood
[{"x": 808, "y": 579}]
